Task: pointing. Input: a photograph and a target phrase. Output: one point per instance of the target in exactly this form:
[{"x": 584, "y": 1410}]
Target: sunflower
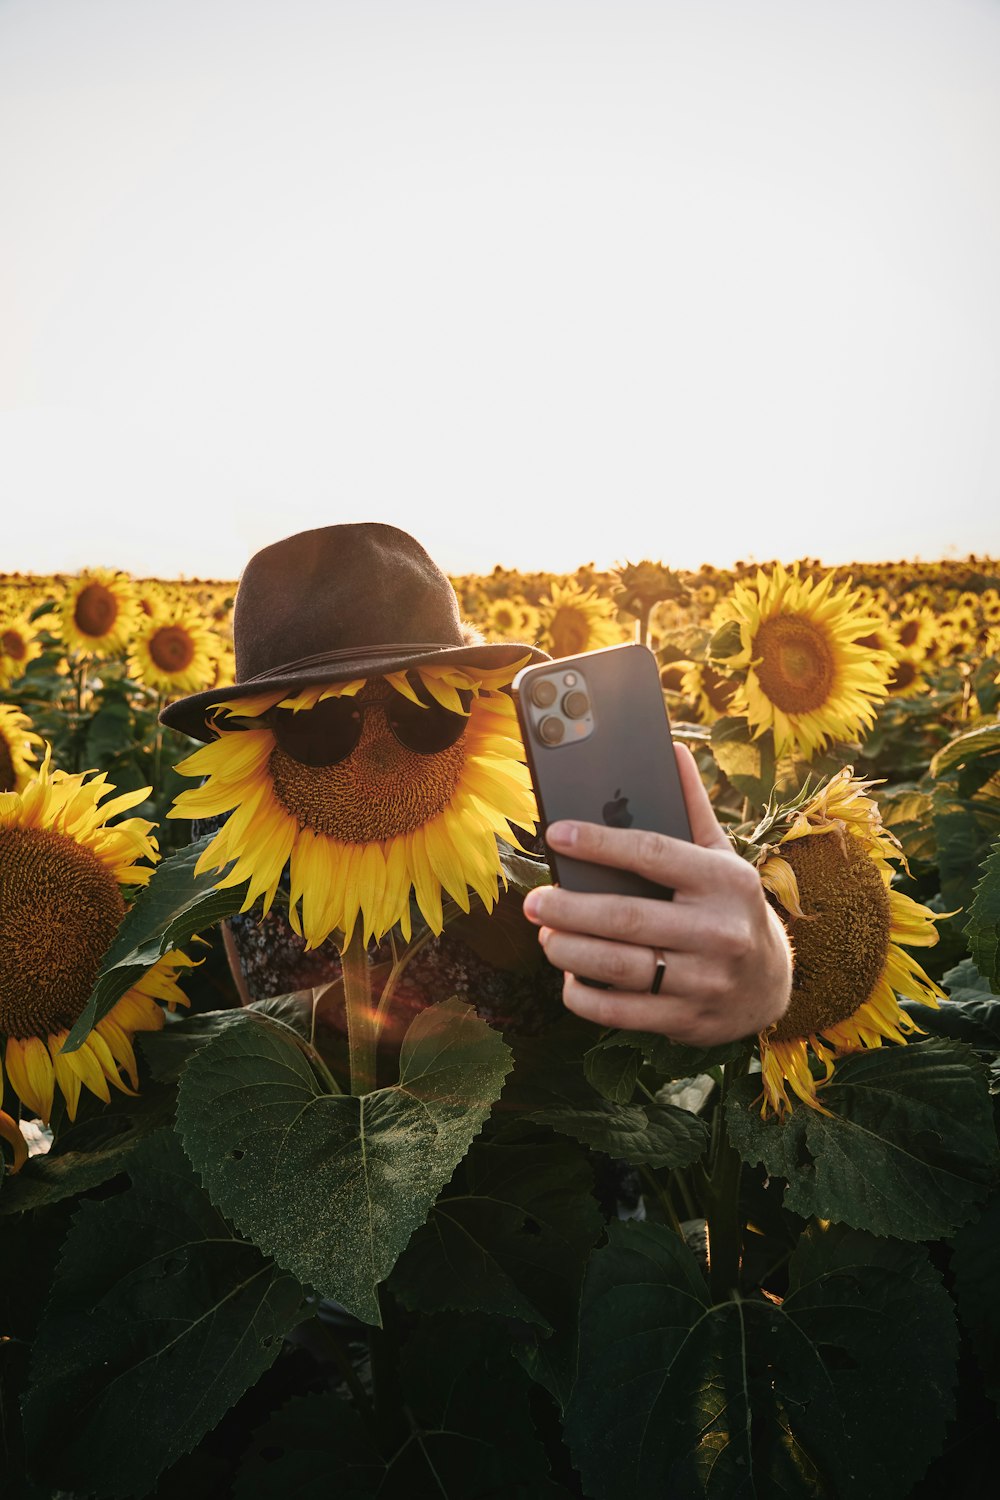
[
  {"x": 62, "y": 869},
  {"x": 831, "y": 879},
  {"x": 710, "y": 691},
  {"x": 99, "y": 612},
  {"x": 174, "y": 652},
  {"x": 17, "y": 755},
  {"x": 382, "y": 821},
  {"x": 807, "y": 678},
  {"x": 505, "y": 619},
  {"x": 573, "y": 619},
  {"x": 19, "y": 645}
]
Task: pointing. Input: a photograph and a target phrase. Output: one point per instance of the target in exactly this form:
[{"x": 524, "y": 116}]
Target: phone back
[{"x": 599, "y": 749}]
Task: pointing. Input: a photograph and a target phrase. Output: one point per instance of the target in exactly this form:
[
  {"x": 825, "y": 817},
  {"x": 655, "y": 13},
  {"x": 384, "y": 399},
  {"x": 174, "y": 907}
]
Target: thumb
[{"x": 706, "y": 829}]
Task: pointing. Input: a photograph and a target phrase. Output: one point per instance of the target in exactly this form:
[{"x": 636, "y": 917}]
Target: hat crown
[{"x": 340, "y": 588}]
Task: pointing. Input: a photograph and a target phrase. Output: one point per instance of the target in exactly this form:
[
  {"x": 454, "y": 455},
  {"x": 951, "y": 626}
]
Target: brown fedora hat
[{"x": 340, "y": 602}]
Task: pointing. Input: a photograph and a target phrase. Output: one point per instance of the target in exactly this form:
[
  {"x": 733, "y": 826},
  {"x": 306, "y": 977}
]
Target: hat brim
[{"x": 190, "y": 715}]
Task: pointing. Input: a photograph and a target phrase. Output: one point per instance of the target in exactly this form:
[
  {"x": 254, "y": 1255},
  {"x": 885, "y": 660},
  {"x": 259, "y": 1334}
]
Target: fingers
[
  {"x": 706, "y": 830},
  {"x": 679, "y": 1017},
  {"x": 627, "y": 919},
  {"x": 621, "y": 965},
  {"x": 666, "y": 861}
]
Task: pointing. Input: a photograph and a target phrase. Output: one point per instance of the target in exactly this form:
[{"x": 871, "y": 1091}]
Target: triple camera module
[{"x": 560, "y": 708}]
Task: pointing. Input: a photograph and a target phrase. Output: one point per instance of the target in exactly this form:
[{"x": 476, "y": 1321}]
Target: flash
[{"x": 570, "y": 679}]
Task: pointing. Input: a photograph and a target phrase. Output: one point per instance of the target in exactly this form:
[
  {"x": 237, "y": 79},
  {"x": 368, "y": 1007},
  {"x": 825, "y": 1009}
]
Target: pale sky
[{"x": 543, "y": 282}]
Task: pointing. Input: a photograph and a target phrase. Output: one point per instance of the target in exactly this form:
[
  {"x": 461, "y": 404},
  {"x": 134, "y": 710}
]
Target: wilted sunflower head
[
  {"x": 639, "y": 586},
  {"x": 63, "y": 867},
  {"x": 369, "y": 790},
  {"x": 174, "y": 651},
  {"x": 99, "y": 612},
  {"x": 573, "y": 619},
  {"x": 807, "y": 677},
  {"x": 17, "y": 748},
  {"x": 830, "y": 875}
]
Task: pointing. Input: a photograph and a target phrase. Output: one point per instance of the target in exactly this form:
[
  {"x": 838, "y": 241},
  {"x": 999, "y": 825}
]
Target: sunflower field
[{"x": 380, "y": 1218}]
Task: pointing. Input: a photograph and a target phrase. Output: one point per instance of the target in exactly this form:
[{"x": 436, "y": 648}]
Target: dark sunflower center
[
  {"x": 382, "y": 789},
  {"x": 13, "y": 644},
  {"x": 171, "y": 648},
  {"x": 96, "y": 610},
  {"x": 570, "y": 632},
  {"x": 8, "y": 779},
  {"x": 908, "y": 632},
  {"x": 903, "y": 675},
  {"x": 60, "y": 907},
  {"x": 841, "y": 952},
  {"x": 796, "y": 666}
]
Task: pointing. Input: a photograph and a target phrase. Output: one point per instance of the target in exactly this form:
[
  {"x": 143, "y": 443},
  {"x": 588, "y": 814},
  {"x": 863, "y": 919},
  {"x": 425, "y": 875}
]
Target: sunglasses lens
[
  {"x": 428, "y": 729},
  {"x": 319, "y": 736}
]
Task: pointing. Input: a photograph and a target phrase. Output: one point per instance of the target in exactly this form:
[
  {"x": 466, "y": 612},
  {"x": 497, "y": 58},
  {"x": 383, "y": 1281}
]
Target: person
[{"x": 365, "y": 600}]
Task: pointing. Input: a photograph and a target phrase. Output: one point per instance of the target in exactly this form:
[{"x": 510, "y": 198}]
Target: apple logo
[{"x": 615, "y": 813}]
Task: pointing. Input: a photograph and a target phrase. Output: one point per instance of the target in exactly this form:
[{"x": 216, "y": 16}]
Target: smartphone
[{"x": 599, "y": 749}]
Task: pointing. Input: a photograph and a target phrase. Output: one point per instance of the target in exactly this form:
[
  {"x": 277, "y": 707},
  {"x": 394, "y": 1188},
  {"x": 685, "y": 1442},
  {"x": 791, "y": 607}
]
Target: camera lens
[
  {"x": 551, "y": 729},
  {"x": 575, "y": 704},
  {"x": 543, "y": 692}
]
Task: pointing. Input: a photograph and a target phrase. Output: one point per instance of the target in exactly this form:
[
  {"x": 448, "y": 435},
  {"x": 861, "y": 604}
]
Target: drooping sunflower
[
  {"x": 574, "y": 619},
  {"x": 62, "y": 870},
  {"x": 17, "y": 748},
  {"x": 807, "y": 678},
  {"x": 830, "y": 876},
  {"x": 99, "y": 612},
  {"x": 174, "y": 651},
  {"x": 429, "y": 773},
  {"x": 710, "y": 691}
]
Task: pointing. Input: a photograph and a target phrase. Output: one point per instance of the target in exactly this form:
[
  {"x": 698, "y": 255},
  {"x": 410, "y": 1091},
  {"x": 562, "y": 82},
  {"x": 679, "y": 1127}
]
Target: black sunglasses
[{"x": 329, "y": 733}]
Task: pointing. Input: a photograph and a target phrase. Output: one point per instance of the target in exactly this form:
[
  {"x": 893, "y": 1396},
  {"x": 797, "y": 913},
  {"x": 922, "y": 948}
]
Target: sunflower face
[
  {"x": 174, "y": 652},
  {"x": 62, "y": 869},
  {"x": 809, "y": 679},
  {"x": 401, "y": 786},
  {"x": 831, "y": 879},
  {"x": 19, "y": 646},
  {"x": 573, "y": 619},
  {"x": 99, "y": 612}
]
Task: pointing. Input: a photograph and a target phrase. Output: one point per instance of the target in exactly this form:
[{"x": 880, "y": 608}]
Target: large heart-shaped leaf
[
  {"x": 676, "y": 1396},
  {"x": 330, "y": 1184},
  {"x": 159, "y": 1319},
  {"x": 909, "y": 1147}
]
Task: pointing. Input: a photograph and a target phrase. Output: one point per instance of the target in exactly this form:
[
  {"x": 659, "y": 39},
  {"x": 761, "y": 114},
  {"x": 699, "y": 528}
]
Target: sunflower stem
[
  {"x": 362, "y": 1035},
  {"x": 723, "y": 1195}
]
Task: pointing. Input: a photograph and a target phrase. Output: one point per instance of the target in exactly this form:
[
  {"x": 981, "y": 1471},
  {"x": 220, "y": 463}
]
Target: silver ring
[{"x": 661, "y": 969}]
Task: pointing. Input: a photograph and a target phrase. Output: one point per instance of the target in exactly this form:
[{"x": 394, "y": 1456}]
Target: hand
[{"x": 728, "y": 963}]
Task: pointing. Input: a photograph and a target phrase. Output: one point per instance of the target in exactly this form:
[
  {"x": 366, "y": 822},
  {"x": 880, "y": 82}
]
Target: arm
[{"x": 728, "y": 964}]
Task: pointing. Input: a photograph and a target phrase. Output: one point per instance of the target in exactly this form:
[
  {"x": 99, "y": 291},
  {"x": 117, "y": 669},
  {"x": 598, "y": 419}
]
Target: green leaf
[
  {"x": 613, "y": 1071},
  {"x": 523, "y": 871},
  {"x": 908, "y": 813},
  {"x": 314, "y": 1448},
  {"x": 747, "y": 761},
  {"x": 966, "y": 749},
  {"x": 510, "y": 1239},
  {"x": 668, "y": 1058},
  {"x": 503, "y": 937},
  {"x": 169, "y": 1051},
  {"x": 89, "y": 1152},
  {"x": 468, "y": 1436},
  {"x": 172, "y": 909},
  {"x": 550, "y": 1088},
  {"x": 983, "y": 926},
  {"x": 159, "y": 1320},
  {"x": 726, "y": 641},
  {"x": 676, "y": 1396},
  {"x": 329, "y": 1184},
  {"x": 975, "y": 1261},
  {"x": 909, "y": 1147}
]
